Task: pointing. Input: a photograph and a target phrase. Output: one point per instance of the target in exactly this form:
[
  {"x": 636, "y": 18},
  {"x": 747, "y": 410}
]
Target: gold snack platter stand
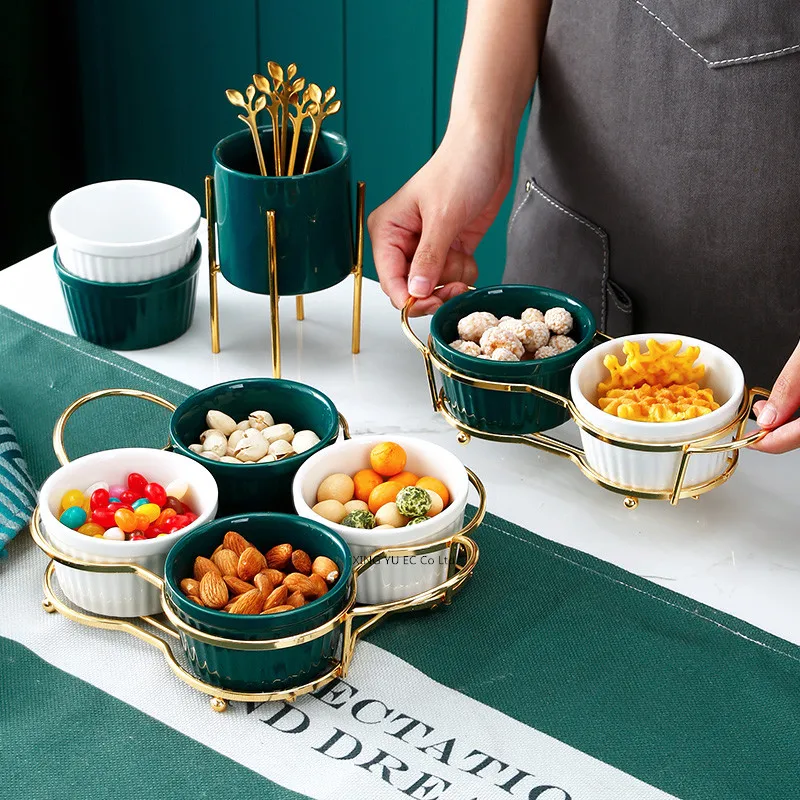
[{"x": 703, "y": 445}]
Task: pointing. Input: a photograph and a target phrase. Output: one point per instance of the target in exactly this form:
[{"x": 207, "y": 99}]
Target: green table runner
[{"x": 683, "y": 697}]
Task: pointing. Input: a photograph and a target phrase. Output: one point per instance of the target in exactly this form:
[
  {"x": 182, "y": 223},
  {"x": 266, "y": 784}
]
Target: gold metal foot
[
  {"x": 213, "y": 266},
  {"x": 218, "y": 704},
  {"x": 630, "y": 503},
  {"x": 274, "y": 318},
  {"x": 48, "y": 606},
  {"x": 464, "y": 438},
  {"x": 358, "y": 267},
  {"x": 695, "y": 497},
  {"x": 299, "y": 307}
]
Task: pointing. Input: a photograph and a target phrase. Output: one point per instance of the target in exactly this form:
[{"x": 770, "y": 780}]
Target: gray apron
[{"x": 660, "y": 178}]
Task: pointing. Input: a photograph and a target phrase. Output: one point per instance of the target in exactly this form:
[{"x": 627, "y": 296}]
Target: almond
[
  {"x": 275, "y": 576},
  {"x": 221, "y": 547},
  {"x": 251, "y": 562},
  {"x": 226, "y": 560},
  {"x": 277, "y": 597},
  {"x": 202, "y": 566},
  {"x": 236, "y": 542},
  {"x": 297, "y": 582},
  {"x": 249, "y": 603},
  {"x": 189, "y": 586},
  {"x": 236, "y": 585},
  {"x": 263, "y": 583},
  {"x": 296, "y": 599},
  {"x": 319, "y": 584},
  {"x": 301, "y": 561},
  {"x": 194, "y": 599},
  {"x": 213, "y": 590},
  {"x": 326, "y": 569},
  {"x": 278, "y": 609},
  {"x": 278, "y": 557}
]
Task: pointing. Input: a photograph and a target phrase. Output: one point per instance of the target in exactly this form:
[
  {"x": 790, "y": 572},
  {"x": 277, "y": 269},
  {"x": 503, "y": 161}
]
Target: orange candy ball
[
  {"x": 383, "y": 494},
  {"x": 435, "y": 485},
  {"x": 387, "y": 459},
  {"x": 406, "y": 478},
  {"x": 365, "y": 481}
]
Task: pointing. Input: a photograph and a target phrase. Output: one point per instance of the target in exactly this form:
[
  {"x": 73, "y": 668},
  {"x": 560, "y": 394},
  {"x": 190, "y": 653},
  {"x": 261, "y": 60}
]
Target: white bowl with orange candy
[
  {"x": 699, "y": 389},
  {"x": 364, "y": 475}
]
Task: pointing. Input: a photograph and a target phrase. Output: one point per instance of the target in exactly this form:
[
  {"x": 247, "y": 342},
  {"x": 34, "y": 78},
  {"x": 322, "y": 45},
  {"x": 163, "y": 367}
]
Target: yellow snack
[{"x": 659, "y": 403}]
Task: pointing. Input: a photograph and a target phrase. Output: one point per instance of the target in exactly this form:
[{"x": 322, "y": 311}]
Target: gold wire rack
[{"x": 701, "y": 445}]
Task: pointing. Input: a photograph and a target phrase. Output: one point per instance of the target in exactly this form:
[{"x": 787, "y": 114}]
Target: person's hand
[
  {"x": 426, "y": 234},
  {"x": 776, "y": 413}
]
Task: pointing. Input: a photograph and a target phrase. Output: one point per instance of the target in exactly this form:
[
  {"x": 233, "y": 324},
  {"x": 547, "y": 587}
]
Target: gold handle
[
  {"x": 740, "y": 440},
  {"x": 58, "y": 430},
  {"x": 344, "y": 425},
  {"x": 87, "y": 566}
]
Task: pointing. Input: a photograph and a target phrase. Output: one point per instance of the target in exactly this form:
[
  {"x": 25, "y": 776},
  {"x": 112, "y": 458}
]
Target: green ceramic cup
[
  {"x": 507, "y": 412},
  {"x": 313, "y": 214},
  {"x": 244, "y": 488},
  {"x": 260, "y": 670},
  {"x": 131, "y": 316}
]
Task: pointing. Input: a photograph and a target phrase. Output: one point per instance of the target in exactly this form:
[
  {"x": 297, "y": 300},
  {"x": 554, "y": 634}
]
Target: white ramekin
[
  {"x": 396, "y": 578},
  {"x": 110, "y": 594},
  {"x": 125, "y": 231},
  {"x": 643, "y": 471}
]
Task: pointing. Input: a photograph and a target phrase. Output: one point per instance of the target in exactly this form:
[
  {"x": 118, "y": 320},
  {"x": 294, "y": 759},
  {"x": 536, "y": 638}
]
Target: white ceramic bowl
[
  {"x": 641, "y": 470},
  {"x": 125, "y": 231},
  {"x": 120, "y": 595},
  {"x": 396, "y": 578}
]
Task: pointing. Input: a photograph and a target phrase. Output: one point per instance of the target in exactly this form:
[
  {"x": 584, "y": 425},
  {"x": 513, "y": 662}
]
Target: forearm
[{"x": 498, "y": 65}]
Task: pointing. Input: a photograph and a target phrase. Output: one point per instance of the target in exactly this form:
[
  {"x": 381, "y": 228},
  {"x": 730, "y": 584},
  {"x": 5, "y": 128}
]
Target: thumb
[
  {"x": 785, "y": 396},
  {"x": 430, "y": 256}
]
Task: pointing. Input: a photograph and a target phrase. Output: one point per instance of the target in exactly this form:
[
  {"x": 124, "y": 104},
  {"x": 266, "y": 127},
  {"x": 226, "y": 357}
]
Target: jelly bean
[
  {"x": 151, "y": 532},
  {"x": 125, "y": 519},
  {"x": 128, "y": 497},
  {"x": 191, "y": 517},
  {"x": 142, "y": 522},
  {"x": 177, "y": 489},
  {"x": 103, "y": 517},
  {"x": 173, "y": 502},
  {"x": 91, "y": 529},
  {"x": 179, "y": 521},
  {"x": 116, "y": 489},
  {"x": 73, "y": 497},
  {"x": 165, "y": 515},
  {"x": 155, "y": 493},
  {"x": 142, "y": 501},
  {"x": 137, "y": 536},
  {"x": 100, "y": 498},
  {"x": 149, "y": 510},
  {"x": 73, "y": 517},
  {"x": 136, "y": 483},
  {"x": 114, "y": 500},
  {"x": 115, "y": 534}
]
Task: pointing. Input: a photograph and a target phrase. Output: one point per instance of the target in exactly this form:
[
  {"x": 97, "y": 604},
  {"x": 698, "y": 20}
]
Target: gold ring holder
[
  {"x": 708, "y": 444},
  {"x": 272, "y": 266},
  {"x": 355, "y": 621}
]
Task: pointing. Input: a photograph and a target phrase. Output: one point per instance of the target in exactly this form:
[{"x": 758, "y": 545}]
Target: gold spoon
[
  {"x": 235, "y": 98},
  {"x": 323, "y": 108},
  {"x": 303, "y": 106},
  {"x": 272, "y": 104}
]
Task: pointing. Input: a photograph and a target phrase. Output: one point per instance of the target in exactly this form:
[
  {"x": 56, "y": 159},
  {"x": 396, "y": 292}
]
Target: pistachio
[
  {"x": 280, "y": 447},
  {"x": 260, "y": 420},
  {"x": 230, "y": 460},
  {"x": 234, "y": 439},
  {"x": 274, "y": 432},
  {"x": 221, "y": 422},
  {"x": 251, "y": 447},
  {"x": 215, "y": 442},
  {"x": 243, "y": 425},
  {"x": 210, "y": 455},
  {"x": 196, "y": 448},
  {"x": 304, "y": 440},
  {"x": 267, "y": 458}
]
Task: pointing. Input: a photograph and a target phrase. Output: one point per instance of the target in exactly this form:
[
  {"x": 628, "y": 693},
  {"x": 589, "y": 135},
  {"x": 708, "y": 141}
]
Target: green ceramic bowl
[
  {"x": 260, "y": 670},
  {"x": 131, "y": 316},
  {"x": 507, "y": 412},
  {"x": 313, "y": 214},
  {"x": 244, "y": 488}
]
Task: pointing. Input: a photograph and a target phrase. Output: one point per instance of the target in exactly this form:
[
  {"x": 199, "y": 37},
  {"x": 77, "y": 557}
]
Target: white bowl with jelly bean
[{"x": 140, "y": 528}]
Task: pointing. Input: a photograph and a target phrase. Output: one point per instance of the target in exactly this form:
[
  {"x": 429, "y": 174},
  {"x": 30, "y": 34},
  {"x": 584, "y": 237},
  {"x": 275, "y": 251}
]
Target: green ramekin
[
  {"x": 131, "y": 316},
  {"x": 245, "y": 488},
  {"x": 260, "y": 670},
  {"x": 508, "y": 412}
]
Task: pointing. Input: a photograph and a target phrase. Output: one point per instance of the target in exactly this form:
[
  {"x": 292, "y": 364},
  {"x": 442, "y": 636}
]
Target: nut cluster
[
  {"x": 255, "y": 440},
  {"x": 240, "y": 579}
]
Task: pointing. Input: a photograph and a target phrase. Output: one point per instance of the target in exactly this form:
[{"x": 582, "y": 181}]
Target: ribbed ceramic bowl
[
  {"x": 641, "y": 470},
  {"x": 245, "y": 488},
  {"x": 260, "y": 670},
  {"x": 506, "y": 412},
  {"x": 391, "y": 578},
  {"x": 109, "y": 594},
  {"x": 125, "y": 231},
  {"x": 131, "y": 316}
]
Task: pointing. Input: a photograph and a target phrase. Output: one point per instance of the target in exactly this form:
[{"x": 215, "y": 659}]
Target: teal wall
[{"x": 153, "y": 75}]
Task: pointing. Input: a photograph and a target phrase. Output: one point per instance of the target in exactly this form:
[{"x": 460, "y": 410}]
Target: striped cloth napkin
[{"x": 17, "y": 492}]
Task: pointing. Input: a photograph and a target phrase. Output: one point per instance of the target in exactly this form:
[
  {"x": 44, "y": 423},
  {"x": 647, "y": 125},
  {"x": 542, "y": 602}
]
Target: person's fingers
[
  {"x": 784, "y": 399},
  {"x": 780, "y": 440},
  {"x": 438, "y": 233},
  {"x": 428, "y": 305},
  {"x": 391, "y": 247}
]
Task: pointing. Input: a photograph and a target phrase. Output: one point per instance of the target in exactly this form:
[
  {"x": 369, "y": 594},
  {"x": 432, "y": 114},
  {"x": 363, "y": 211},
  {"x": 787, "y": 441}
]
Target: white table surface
[{"x": 736, "y": 548}]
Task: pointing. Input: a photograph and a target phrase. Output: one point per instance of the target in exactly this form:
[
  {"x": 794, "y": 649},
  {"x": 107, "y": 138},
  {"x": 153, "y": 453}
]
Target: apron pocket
[
  {"x": 551, "y": 245},
  {"x": 727, "y": 33}
]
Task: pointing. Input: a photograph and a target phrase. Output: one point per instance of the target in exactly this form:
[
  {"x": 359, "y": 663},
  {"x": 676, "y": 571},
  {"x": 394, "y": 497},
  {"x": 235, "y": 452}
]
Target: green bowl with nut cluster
[
  {"x": 504, "y": 412},
  {"x": 260, "y": 670}
]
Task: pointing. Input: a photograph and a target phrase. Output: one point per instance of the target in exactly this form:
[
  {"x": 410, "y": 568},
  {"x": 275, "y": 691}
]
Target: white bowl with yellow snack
[{"x": 711, "y": 369}]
